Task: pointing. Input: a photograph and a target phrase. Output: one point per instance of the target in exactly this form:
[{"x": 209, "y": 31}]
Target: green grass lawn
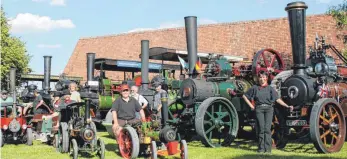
[{"x": 239, "y": 149}]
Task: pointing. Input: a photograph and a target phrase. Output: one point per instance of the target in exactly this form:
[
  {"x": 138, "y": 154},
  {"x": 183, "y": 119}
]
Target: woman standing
[{"x": 264, "y": 97}]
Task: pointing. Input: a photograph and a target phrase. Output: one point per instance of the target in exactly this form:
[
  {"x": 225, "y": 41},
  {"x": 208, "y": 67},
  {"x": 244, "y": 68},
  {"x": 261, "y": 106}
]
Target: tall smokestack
[
  {"x": 144, "y": 63},
  {"x": 192, "y": 46},
  {"x": 13, "y": 89},
  {"x": 297, "y": 24},
  {"x": 90, "y": 66},
  {"x": 47, "y": 73}
]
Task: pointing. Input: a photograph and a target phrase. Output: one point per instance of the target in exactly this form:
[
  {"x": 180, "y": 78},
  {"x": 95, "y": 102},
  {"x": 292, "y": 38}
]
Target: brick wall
[{"x": 239, "y": 38}]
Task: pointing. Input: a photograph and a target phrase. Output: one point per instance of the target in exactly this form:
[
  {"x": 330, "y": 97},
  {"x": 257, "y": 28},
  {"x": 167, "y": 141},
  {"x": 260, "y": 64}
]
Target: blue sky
[{"x": 53, "y": 27}]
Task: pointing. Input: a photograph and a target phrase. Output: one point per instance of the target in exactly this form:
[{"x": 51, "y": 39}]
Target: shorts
[
  {"x": 130, "y": 122},
  {"x": 28, "y": 104}
]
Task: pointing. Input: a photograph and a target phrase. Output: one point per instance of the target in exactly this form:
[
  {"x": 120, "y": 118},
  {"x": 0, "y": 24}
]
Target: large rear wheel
[
  {"x": 216, "y": 122},
  {"x": 327, "y": 126}
]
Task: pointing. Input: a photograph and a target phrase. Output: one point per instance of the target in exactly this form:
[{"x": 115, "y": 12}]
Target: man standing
[
  {"x": 157, "y": 98},
  {"x": 142, "y": 101},
  {"x": 124, "y": 110}
]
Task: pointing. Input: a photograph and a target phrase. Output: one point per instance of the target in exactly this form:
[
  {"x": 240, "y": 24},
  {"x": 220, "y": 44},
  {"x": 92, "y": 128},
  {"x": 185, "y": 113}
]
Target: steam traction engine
[
  {"x": 13, "y": 126},
  {"x": 316, "y": 89},
  {"x": 213, "y": 104}
]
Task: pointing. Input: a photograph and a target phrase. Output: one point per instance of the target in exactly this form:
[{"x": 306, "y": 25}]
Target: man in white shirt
[{"x": 142, "y": 100}]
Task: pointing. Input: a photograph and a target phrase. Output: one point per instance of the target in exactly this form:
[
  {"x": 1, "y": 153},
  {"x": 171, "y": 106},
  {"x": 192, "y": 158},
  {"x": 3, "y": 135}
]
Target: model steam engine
[{"x": 315, "y": 89}]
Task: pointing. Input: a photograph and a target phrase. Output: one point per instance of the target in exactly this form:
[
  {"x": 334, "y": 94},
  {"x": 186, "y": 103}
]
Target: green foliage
[
  {"x": 13, "y": 52},
  {"x": 339, "y": 12}
]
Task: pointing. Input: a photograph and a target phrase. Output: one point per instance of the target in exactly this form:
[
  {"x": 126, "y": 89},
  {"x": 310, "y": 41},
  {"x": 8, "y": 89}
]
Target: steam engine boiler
[{"x": 316, "y": 90}]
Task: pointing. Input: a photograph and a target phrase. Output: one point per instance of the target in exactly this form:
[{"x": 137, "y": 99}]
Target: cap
[
  {"x": 4, "y": 92},
  {"x": 124, "y": 87},
  {"x": 156, "y": 84}
]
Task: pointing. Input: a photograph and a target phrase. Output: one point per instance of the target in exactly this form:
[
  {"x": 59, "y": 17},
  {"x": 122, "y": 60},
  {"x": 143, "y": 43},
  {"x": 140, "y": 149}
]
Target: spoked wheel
[
  {"x": 267, "y": 60},
  {"x": 29, "y": 136},
  {"x": 74, "y": 149},
  {"x": 56, "y": 143},
  {"x": 216, "y": 122},
  {"x": 101, "y": 148},
  {"x": 154, "y": 150},
  {"x": 279, "y": 138},
  {"x": 64, "y": 137},
  {"x": 327, "y": 126},
  {"x": 128, "y": 143},
  {"x": 184, "y": 149},
  {"x": 1, "y": 139},
  {"x": 93, "y": 127}
]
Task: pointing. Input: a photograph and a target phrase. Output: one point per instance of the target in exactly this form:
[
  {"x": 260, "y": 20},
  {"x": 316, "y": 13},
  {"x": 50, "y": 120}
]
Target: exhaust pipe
[
  {"x": 164, "y": 109},
  {"x": 90, "y": 66},
  {"x": 192, "y": 46},
  {"x": 297, "y": 24},
  {"x": 47, "y": 73},
  {"x": 144, "y": 64},
  {"x": 13, "y": 90}
]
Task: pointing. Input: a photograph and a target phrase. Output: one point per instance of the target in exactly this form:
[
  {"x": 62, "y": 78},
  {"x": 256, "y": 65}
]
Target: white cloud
[
  {"x": 174, "y": 24},
  {"x": 27, "y": 22},
  {"x": 54, "y": 46},
  {"x": 52, "y": 2},
  {"x": 140, "y": 29},
  {"x": 57, "y": 3}
]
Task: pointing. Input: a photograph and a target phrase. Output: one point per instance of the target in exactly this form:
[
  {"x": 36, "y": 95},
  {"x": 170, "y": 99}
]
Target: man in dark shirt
[
  {"x": 124, "y": 110},
  {"x": 38, "y": 101},
  {"x": 264, "y": 97}
]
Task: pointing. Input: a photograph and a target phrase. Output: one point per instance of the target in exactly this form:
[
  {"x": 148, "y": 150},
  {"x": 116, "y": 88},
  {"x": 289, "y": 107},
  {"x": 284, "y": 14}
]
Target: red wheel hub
[{"x": 267, "y": 60}]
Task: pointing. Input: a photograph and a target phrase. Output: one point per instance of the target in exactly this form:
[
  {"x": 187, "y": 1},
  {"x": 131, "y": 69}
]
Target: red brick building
[{"x": 238, "y": 38}]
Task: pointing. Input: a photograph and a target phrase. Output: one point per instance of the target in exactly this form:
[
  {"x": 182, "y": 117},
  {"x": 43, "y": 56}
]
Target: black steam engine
[{"x": 316, "y": 90}]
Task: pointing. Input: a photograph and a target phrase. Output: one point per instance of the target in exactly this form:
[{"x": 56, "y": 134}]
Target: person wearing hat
[
  {"x": 5, "y": 98},
  {"x": 157, "y": 98},
  {"x": 38, "y": 101},
  {"x": 124, "y": 110},
  {"x": 9, "y": 101}
]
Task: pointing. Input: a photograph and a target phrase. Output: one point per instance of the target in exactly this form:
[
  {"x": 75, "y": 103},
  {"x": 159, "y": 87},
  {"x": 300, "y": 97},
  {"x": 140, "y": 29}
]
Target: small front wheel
[
  {"x": 184, "y": 149},
  {"x": 74, "y": 149},
  {"x": 101, "y": 148},
  {"x": 154, "y": 151},
  {"x": 29, "y": 136}
]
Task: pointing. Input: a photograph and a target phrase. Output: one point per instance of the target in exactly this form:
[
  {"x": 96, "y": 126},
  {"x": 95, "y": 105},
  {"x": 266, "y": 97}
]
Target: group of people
[
  {"x": 124, "y": 109},
  {"x": 130, "y": 106},
  {"x": 38, "y": 101}
]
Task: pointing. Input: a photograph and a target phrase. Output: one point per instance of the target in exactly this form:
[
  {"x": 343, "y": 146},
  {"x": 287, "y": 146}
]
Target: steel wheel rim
[
  {"x": 329, "y": 126},
  {"x": 218, "y": 120},
  {"x": 268, "y": 63},
  {"x": 125, "y": 143}
]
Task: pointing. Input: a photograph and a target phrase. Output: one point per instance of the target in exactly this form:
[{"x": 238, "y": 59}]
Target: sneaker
[
  {"x": 43, "y": 138},
  {"x": 163, "y": 147}
]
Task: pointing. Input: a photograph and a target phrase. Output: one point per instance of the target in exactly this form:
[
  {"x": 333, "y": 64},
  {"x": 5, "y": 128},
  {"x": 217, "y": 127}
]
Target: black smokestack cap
[
  {"x": 47, "y": 73},
  {"x": 297, "y": 24},
  {"x": 192, "y": 42},
  {"x": 144, "y": 63},
  {"x": 90, "y": 66}
]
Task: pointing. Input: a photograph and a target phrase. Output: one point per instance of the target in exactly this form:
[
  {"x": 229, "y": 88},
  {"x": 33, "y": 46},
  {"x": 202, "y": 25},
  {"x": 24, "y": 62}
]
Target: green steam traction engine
[{"x": 213, "y": 105}]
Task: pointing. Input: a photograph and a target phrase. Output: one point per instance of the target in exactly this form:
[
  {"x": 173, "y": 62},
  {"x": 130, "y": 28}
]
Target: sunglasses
[
  {"x": 133, "y": 90},
  {"x": 125, "y": 90}
]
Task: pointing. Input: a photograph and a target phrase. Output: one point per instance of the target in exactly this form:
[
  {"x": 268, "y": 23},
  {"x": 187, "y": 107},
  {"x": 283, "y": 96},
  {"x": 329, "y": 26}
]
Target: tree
[
  {"x": 339, "y": 12},
  {"x": 13, "y": 52}
]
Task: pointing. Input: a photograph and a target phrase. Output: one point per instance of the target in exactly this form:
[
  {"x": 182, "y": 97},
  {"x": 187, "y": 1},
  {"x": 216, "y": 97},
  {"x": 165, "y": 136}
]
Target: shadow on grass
[{"x": 270, "y": 156}]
